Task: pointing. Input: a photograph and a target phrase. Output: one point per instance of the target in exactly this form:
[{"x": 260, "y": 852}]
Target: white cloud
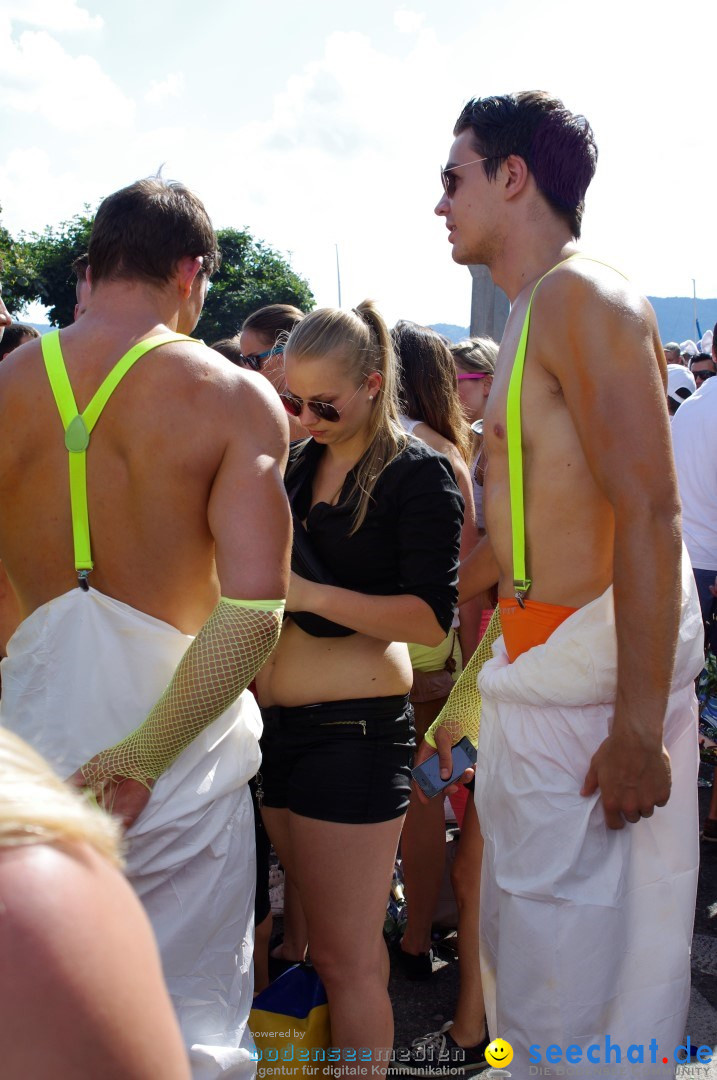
[
  {"x": 59, "y": 15},
  {"x": 408, "y": 22},
  {"x": 171, "y": 87},
  {"x": 71, "y": 93}
]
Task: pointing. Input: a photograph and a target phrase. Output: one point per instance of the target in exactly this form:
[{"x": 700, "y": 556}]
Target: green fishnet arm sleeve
[
  {"x": 461, "y": 713},
  {"x": 234, "y": 643}
]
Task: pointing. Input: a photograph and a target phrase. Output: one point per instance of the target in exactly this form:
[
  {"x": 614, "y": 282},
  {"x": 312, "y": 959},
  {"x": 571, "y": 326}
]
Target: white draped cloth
[
  {"x": 585, "y": 931},
  {"x": 81, "y": 673}
]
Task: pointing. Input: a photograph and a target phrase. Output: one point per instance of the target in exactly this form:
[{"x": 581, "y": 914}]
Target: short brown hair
[
  {"x": 16, "y": 334},
  {"x": 80, "y": 266},
  {"x": 557, "y": 146},
  {"x": 142, "y": 231}
]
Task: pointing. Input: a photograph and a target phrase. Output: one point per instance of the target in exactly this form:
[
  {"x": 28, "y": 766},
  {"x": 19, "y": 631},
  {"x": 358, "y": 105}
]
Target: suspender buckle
[
  {"x": 521, "y": 586},
  {"x": 82, "y": 580}
]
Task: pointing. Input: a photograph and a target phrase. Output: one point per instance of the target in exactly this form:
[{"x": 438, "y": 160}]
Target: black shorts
[{"x": 343, "y": 761}]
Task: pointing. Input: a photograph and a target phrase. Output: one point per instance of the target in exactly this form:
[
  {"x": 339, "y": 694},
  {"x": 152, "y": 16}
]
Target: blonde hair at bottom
[{"x": 36, "y": 807}]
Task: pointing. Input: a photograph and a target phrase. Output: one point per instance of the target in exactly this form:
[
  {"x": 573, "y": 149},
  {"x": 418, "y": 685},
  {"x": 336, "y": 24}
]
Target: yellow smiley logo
[{"x": 499, "y": 1053}]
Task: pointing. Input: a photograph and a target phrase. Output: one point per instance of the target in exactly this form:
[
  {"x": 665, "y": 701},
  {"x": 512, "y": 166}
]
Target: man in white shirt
[{"x": 694, "y": 438}]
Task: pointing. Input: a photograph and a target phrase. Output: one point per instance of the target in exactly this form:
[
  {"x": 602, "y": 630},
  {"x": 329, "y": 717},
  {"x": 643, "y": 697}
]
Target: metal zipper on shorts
[{"x": 337, "y": 723}]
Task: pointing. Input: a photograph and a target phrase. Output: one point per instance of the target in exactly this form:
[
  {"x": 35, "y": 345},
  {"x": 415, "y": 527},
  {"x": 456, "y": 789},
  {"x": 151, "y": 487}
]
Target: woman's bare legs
[
  {"x": 296, "y": 934},
  {"x": 344, "y": 877},
  {"x": 423, "y": 850},
  {"x": 468, "y": 1025},
  {"x": 262, "y": 934},
  {"x": 295, "y": 941}
]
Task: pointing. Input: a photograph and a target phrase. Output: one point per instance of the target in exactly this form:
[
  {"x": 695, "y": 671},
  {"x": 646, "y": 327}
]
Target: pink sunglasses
[{"x": 482, "y": 375}]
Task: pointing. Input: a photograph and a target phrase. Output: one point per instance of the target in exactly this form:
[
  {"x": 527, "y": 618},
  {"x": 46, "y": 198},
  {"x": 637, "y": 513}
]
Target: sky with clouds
[{"x": 324, "y": 123}]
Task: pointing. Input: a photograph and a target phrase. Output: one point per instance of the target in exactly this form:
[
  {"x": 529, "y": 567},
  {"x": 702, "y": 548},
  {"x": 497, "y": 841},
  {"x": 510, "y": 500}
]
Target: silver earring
[{"x": 370, "y": 397}]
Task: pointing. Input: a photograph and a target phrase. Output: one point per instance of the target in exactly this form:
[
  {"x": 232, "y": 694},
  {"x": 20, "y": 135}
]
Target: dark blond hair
[
  {"x": 360, "y": 341},
  {"x": 429, "y": 391},
  {"x": 476, "y": 355}
]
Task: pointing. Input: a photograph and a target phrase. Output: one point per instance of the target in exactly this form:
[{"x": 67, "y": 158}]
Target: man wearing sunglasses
[
  {"x": 703, "y": 367},
  {"x": 140, "y": 633},
  {"x": 581, "y": 712}
]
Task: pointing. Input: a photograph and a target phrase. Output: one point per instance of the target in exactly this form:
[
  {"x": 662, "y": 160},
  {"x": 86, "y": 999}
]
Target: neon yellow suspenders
[
  {"x": 521, "y": 581},
  {"x": 78, "y": 428}
]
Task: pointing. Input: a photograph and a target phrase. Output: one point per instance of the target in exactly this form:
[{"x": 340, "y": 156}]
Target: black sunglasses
[
  {"x": 703, "y": 374},
  {"x": 323, "y": 410},
  {"x": 449, "y": 181},
  {"x": 255, "y": 361}
]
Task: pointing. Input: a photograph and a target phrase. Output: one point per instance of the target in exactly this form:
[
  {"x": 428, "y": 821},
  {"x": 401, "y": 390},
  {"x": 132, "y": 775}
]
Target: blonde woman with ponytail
[
  {"x": 377, "y": 532},
  {"x": 81, "y": 992}
]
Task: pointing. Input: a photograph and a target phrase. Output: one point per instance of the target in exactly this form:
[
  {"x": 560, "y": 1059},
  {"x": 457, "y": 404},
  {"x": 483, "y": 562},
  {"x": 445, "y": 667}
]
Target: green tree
[
  {"x": 38, "y": 266},
  {"x": 251, "y": 275},
  {"x": 16, "y": 273},
  {"x": 48, "y": 259}
]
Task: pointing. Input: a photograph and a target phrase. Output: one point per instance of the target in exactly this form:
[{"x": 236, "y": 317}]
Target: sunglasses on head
[
  {"x": 703, "y": 374},
  {"x": 255, "y": 361},
  {"x": 473, "y": 375},
  {"x": 449, "y": 181},
  {"x": 322, "y": 410}
]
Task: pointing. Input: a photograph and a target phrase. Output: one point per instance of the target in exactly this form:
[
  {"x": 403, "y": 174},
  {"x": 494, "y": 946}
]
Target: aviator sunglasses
[
  {"x": 255, "y": 361},
  {"x": 322, "y": 410},
  {"x": 449, "y": 182}
]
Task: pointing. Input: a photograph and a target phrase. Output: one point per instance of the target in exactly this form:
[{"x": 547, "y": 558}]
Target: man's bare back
[{"x": 180, "y": 414}]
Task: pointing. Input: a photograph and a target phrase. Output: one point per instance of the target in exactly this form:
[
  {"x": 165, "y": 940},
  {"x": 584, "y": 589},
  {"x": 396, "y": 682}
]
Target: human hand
[
  {"x": 301, "y": 591},
  {"x": 633, "y": 778},
  {"x": 119, "y": 796},
  {"x": 444, "y": 745}
]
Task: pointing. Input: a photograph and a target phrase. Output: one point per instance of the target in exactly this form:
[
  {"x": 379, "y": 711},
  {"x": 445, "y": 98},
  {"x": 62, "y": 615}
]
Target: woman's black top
[{"x": 407, "y": 544}]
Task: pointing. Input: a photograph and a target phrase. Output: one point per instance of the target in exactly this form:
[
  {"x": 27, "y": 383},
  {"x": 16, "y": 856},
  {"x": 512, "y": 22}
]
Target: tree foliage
[
  {"x": 38, "y": 267},
  {"x": 251, "y": 275},
  {"x": 16, "y": 272}
]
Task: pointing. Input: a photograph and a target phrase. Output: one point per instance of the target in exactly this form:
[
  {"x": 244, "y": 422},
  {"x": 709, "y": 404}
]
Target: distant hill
[
  {"x": 676, "y": 316},
  {"x": 453, "y": 333}
]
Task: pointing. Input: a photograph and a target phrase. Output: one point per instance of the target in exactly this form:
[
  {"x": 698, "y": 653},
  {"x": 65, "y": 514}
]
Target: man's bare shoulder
[
  {"x": 584, "y": 287},
  {"x": 587, "y": 311}
]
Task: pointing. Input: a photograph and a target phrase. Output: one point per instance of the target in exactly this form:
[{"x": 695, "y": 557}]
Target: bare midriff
[{"x": 304, "y": 670}]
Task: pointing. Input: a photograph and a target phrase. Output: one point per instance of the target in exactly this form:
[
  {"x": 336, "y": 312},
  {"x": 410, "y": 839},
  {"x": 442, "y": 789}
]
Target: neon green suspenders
[
  {"x": 521, "y": 581},
  {"x": 78, "y": 428}
]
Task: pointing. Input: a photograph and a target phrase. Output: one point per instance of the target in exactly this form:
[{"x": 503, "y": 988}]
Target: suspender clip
[
  {"x": 521, "y": 586},
  {"x": 82, "y": 580}
]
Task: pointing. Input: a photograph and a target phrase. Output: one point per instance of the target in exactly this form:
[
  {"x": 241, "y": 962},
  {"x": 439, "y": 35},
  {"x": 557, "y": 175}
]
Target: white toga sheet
[
  {"x": 585, "y": 931},
  {"x": 83, "y": 671}
]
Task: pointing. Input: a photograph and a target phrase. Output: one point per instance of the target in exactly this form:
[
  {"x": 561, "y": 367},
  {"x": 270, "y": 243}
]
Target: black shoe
[
  {"x": 415, "y": 966},
  {"x": 438, "y": 1054}
]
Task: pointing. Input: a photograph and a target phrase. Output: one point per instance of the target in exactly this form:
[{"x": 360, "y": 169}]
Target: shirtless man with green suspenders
[
  {"x": 588, "y": 711},
  {"x": 145, "y": 530}
]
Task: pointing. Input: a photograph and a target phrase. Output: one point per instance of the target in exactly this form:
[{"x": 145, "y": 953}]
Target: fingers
[
  {"x": 590, "y": 783},
  {"x": 443, "y": 745},
  {"x": 465, "y": 779}
]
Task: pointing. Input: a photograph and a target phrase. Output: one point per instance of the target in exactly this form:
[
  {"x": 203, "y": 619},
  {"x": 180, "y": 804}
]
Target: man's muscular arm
[
  {"x": 249, "y": 519},
  {"x": 604, "y": 351}
]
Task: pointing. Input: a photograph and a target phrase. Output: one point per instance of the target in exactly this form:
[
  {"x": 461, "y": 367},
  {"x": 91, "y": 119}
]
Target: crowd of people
[{"x": 248, "y": 586}]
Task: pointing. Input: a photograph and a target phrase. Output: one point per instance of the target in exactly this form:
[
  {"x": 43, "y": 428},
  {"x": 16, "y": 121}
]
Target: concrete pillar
[{"x": 489, "y": 305}]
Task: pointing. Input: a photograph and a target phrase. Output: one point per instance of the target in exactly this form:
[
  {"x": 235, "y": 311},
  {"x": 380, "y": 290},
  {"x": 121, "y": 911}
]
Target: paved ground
[{"x": 420, "y": 1007}]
